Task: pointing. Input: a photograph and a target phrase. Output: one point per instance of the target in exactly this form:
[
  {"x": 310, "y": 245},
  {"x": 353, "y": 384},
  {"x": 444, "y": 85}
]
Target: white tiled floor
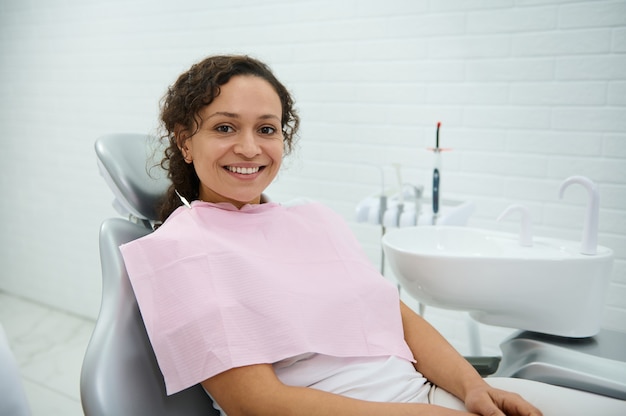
[{"x": 49, "y": 346}]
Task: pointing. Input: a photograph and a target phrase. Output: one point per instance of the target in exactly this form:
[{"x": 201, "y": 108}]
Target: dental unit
[{"x": 552, "y": 290}]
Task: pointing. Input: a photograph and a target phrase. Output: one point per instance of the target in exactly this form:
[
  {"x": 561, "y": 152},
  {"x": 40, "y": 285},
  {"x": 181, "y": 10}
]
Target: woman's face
[{"x": 238, "y": 149}]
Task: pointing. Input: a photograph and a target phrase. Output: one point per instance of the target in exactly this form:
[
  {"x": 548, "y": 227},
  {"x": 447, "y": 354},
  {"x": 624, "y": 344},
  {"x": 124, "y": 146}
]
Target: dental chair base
[{"x": 595, "y": 364}]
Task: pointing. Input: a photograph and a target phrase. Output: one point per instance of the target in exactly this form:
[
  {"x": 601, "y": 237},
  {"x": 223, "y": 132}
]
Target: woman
[{"x": 274, "y": 309}]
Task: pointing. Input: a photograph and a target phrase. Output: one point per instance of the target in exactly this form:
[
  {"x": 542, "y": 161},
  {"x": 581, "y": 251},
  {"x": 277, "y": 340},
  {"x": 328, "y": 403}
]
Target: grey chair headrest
[{"x": 126, "y": 162}]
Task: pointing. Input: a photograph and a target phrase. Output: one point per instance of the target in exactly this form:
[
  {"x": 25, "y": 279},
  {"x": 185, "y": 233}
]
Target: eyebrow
[{"x": 235, "y": 115}]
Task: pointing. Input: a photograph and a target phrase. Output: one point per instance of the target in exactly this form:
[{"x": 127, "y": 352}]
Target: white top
[{"x": 377, "y": 379}]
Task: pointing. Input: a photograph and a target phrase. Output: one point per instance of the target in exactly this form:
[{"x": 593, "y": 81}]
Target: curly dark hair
[{"x": 180, "y": 107}]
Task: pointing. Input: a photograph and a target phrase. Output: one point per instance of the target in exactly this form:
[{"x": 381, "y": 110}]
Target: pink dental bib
[{"x": 220, "y": 288}]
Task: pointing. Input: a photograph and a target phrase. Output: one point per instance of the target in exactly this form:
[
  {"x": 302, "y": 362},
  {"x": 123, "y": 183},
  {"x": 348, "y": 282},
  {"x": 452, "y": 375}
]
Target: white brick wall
[{"x": 529, "y": 92}]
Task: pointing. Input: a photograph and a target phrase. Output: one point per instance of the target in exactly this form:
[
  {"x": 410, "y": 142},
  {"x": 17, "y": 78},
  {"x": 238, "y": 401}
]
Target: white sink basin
[{"x": 549, "y": 288}]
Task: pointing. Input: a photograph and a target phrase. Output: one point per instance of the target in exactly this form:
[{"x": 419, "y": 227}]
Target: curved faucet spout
[
  {"x": 525, "y": 236},
  {"x": 590, "y": 230}
]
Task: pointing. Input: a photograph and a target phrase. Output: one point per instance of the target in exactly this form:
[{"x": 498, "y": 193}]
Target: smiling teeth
[{"x": 243, "y": 171}]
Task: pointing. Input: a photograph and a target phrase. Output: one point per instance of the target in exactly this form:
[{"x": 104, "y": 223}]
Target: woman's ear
[{"x": 182, "y": 141}]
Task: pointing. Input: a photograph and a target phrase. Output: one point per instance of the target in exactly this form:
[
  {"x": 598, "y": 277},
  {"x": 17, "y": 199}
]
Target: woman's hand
[
  {"x": 489, "y": 401},
  {"x": 441, "y": 364}
]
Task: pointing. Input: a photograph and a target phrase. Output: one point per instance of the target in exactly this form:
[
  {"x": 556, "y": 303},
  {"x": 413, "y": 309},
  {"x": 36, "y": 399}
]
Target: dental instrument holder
[
  {"x": 384, "y": 210},
  {"x": 403, "y": 209}
]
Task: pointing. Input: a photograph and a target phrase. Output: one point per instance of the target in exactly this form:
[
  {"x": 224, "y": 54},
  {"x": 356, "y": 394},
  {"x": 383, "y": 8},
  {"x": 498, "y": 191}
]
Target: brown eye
[
  {"x": 267, "y": 130},
  {"x": 224, "y": 129}
]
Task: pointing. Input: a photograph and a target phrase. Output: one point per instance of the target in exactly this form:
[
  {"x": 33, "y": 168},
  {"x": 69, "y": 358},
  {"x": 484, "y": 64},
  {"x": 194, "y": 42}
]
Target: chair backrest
[
  {"x": 120, "y": 375},
  {"x": 127, "y": 164}
]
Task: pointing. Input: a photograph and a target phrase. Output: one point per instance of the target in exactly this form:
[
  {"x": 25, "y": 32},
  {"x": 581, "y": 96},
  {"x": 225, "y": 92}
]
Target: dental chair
[{"x": 120, "y": 375}]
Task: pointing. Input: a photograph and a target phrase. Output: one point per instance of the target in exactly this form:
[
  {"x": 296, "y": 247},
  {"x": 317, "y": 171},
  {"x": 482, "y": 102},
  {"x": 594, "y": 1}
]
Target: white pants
[{"x": 551, "y": 400}]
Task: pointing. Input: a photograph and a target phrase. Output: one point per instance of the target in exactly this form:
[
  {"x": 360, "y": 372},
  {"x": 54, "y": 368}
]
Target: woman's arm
[
  {"x": 256, "y": 390},
  {"x": 436, "y": 359},
  {"x": 440, "y": 363}
]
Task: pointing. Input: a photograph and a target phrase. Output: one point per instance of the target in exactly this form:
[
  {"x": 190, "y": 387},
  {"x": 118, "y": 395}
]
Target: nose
[{"x": 247, "y": 145}]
